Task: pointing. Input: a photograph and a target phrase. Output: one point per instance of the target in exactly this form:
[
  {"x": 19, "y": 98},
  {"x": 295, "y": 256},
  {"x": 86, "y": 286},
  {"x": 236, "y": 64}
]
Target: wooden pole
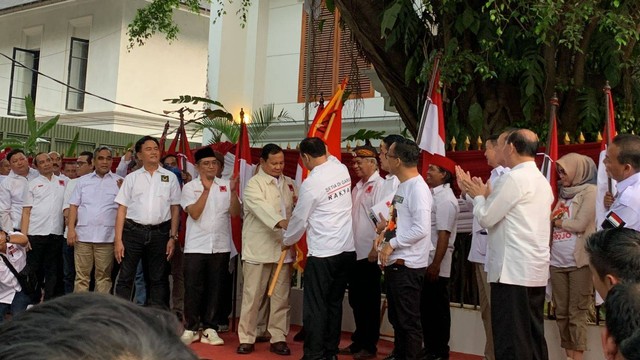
[
  {"x": 607, "y": 127},
  {"x": 432, "y": 81},
  {"x": 274, "y": 280},
  {"x": 552, "y": 115}
]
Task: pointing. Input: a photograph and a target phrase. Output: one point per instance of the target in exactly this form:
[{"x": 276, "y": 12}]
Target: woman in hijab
[{"x": 573, "y": 220}]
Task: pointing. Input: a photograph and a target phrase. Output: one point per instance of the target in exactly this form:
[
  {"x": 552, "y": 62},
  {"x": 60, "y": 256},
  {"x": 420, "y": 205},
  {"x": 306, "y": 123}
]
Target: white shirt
[
  {"x": 95, "y": 198},
  {"x": 389, "y": 187},
  {"x": 363, "y": 196},
  {"x": 413, "y": 202},
  {"x": 148, "y": 198},
  {"x": 323, "y": 210},
  {"x": 627, "y": 202},
  {"x": 45, "y": 198},
  {"x": 478, "y": 251},
  {"x": 2, "y": 177},
  {"x": 516, "y": 215},
  {"x": 211, "y": 233},
  {"x": 444, "y": 217},
  {"x": 12, "y": 191},
  {"x": 17, "y": 256},
  {"x": 121, "y": 169}
]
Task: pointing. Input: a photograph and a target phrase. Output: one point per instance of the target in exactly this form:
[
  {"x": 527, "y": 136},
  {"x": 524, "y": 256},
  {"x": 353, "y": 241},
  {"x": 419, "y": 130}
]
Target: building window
[
  {"x": 335, "y": 57},
  {"x": 77, "y": 74},
  {"x": 24, "y": 81}
]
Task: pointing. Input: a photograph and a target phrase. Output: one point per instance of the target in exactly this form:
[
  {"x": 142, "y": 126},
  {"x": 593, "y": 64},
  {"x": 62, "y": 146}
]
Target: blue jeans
[
  {"x": 140, "y": 295},
  {"x": 19, "y": 304}
]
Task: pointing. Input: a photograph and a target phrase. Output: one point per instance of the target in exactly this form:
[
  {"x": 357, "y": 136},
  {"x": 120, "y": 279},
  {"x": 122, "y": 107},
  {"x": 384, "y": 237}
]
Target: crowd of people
[{"x": 80, "y": 227}]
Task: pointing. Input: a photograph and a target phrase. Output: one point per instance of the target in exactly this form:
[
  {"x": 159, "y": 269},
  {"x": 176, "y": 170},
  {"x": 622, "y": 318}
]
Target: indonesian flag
[
  {"x": 550, "y": 157},
  {"x": 327, "y": 125},
  {"x": 609, "y": 133},
  {"x": 243, "y": 171},
  {"x": 180, "y": 148},
  {"x": 432, "y": 122}
]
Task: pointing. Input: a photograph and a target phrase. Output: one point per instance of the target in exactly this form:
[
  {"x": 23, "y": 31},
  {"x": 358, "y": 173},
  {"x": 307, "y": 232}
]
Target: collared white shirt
[
  {"x": 323, "y": 211},
  {"x": 148, "y": 197},
  {"x": 516, "y": 215},
  {"x": 95, "y": 198},
  {"x": 413, "y": 202},
  {"x": 478, "y": 251},
  {"x": 45, "y": 198},
  {"x": 363, "y": 196},
  {"x": 211, "y": 233},
  {"x": 121, "y": 169},
  {"x": 444, "y": 216},
  {"x": 627, "y": 202},
  {"x": 2, "y": 177},
  {"x": 17, "y": 256},
  {"x": 388, "y": 188},
  {"x": 12, "y": 191},
  {"x": 267, "y": 200}
]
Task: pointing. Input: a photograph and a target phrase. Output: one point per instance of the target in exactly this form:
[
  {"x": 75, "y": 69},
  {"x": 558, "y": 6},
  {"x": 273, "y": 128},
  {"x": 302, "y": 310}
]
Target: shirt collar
[
  {"x": 526, "y": 164},
  {"x": 622, "y": 185},
  {"x": 268, "y": 178},
  {"x": 374, "y": 177},
  {"x": 440, "y": 188}
]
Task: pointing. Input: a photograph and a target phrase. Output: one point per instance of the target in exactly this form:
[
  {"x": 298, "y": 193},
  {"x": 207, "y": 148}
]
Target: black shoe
[
  {"x": 364, "y": 355},
  {"x": 245, "y": 348},
  {"x": 348, "y": 350},
  {"x": 280, "y": 348}
]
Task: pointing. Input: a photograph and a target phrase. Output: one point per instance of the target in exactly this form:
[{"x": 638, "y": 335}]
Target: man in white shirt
[
  {"x": 621, "y": 335},
  {"x": 405, "y": 250},
  {"x": 269, "y": 198},
  {"x": 434, "y": 308},
  {"x": 622, "y": 163},
  {"x": 5, "y": 167},
  {"x": 12, "y": 249},
  {"x": 391, "y": 182},
  {"x": 364, "y": 278},
  {"x": 323, "y": 210},
  {"x": 12, "y": 190},
  {"x": 92, "y": 218},
  {"x": 209, "y": 201},
  {"x": 516, "y": 214},
  {"x": 147, "y": 224},
  {"x": 43, "y": 223},
  {"x": 56, "y": 161}
]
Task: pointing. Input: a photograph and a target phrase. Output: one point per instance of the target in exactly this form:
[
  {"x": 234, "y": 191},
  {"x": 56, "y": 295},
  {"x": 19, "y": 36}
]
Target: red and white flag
[
  {"x": 550, "y": 157},
  {"x": 432, "y": 139},
  {"x": 327, "y": 125},
  {"x": 242, "y": 170},
  {"x": 180, "y": 148},
  {"x": 604, "y": 182}
]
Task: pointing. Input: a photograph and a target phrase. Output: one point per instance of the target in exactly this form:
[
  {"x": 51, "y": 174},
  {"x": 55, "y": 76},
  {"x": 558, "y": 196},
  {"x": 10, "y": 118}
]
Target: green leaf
[
  {"x": 212, "y": 114},
  {"x": 467, "y": 18},
  {"x": 390, "y": 17},
  {"x": 72, "y": 147},
  {"x": 331, "y": 6},
  {"x": 31, "y": 115},
  {"x": 44, "y": 128}
]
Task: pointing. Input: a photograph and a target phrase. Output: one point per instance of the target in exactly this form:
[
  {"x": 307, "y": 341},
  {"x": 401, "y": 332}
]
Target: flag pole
[
  {"x": 607, "y": 127},
  {"x": 432, "y": 81},
  {"x": 552, "y": 115},
  {"x": 274, "y": 280},
  {"x": 234, "y": 291}
]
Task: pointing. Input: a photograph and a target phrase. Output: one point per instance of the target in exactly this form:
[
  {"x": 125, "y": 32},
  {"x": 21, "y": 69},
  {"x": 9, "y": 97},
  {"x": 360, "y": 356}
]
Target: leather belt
[
  {"x": 398, "y": 262},
  {"x": 146, "y": 227}
]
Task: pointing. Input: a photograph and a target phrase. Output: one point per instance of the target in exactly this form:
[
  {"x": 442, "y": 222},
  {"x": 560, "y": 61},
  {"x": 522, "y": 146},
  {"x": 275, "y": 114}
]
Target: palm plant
[{"x": 30, "y": 145}]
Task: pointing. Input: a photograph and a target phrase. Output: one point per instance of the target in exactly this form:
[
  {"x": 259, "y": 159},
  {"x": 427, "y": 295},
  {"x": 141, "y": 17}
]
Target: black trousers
[
  {"x": 364, "y": 298},
  {"x": 517, "y": 322},
  {"x": 226, "y": 293},
  {"x": 151, "y": 247},
  {"x": 46, "y": 257},
  {"x": 325, "y": 281},
  {"x": 435, "y": 315},
  {"x": 204, "y": 276},
  {"x": 404, "y": 286}
]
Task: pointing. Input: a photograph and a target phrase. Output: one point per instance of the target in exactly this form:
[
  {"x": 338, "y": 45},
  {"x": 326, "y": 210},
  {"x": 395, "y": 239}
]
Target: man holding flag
[
  {"x": 323, "y": 210},
  {"x": 622, "y": 163}
]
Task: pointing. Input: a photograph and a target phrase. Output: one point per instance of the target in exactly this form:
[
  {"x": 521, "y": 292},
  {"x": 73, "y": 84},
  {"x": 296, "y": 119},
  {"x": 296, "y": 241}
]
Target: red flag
[
  {"x": 180, "y": 148},
  {"x": 163, "y": 139},
  {"x": 550, "y": 157},
  {"x": 605, "y": 183},
  {"x": 327, "y": 125},
  {"x": 432, "y": 129},
  {"x": 243, "y": 171}
]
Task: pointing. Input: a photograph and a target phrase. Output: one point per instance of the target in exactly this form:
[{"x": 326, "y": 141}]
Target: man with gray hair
[{"x": 92, "y": 217}]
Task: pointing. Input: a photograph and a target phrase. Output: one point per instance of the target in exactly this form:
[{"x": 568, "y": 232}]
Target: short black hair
[
  {"x": 35, "y": 158},
  {"x": 143, "y": 140},
  {"x": 88, "y": 154},
  {"x": 493, "y": 139},
  {"x": 92, "y": 325},
  {"x": 615, "y": 252},
  {"x": 313, "y": 146},
  {"x": 408, "y": 152},
  {"x": 523, "y": 145},
  {"x": 392, "y": 138},
  {"x": 270, "y": 149},
  {"x": 623, "y": 318},
  {"x": 100, "y": 148},
  {"x": 162, "y": 159},
  {"x": 629, "y": 147},
  {"x": 13, "y": 152}
]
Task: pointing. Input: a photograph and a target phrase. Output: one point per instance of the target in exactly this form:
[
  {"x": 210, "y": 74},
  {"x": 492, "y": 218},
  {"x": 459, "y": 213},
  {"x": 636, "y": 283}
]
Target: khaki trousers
[
  {"x": 257, "y": 278},
  {"x": 86, "y": 256},
  {"x": 484, "y": 292},
  {"x": 572, "y": 294}
]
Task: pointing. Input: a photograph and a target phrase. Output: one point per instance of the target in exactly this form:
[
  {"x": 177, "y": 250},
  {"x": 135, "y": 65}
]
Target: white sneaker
[
  {"x": 210, "y": 336},
  {"x": 189, "y": 336}
]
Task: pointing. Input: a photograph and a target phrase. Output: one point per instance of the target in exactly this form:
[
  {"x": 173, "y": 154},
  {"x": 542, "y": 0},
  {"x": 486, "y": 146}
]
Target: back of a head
[
  {"x": 615, "y": 252},
  {"x": 629, "y": 150},
  {"x": 408, "y": 152},
  {"x": 391, "y": 139},
  {"x": 92, "y": 326},
  {"x": 313, "y": 146},
  {"x": 524, "y": 141},
  {"x": 623, "y": 318}
]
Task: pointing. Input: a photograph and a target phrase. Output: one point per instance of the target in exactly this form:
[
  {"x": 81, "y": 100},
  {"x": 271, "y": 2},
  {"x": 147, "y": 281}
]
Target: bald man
[{"x": 516, "y": 215}]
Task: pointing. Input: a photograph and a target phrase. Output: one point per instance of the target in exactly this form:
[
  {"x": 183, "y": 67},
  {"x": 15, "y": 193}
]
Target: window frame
[
  {"x": 83, "y": 77},
  {"x": 34, "y": 79}
]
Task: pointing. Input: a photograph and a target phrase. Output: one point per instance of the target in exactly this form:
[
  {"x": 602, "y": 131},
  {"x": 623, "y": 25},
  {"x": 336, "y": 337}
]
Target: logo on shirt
[
  {"x": 369, "y": 189},
  {"x": 223, "y": 188},
  {"x": 164, "y": 178},
  {"x": 397, "y": 199},
  {"x": 61, "y": 182}
]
